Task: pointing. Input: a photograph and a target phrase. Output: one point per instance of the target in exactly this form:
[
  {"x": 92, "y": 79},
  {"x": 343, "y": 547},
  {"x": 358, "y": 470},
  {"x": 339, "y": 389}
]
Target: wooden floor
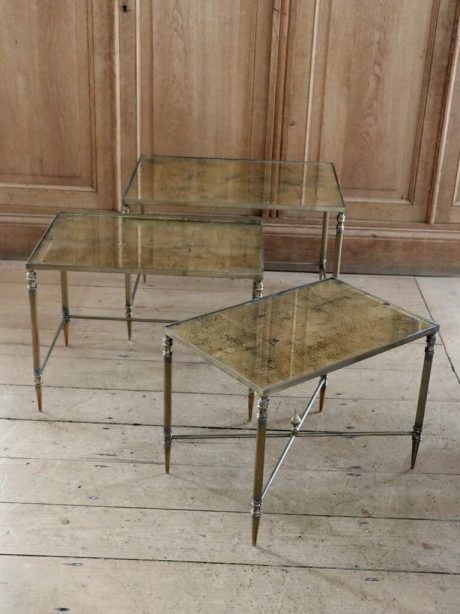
[{"x": 90, "y": 523}]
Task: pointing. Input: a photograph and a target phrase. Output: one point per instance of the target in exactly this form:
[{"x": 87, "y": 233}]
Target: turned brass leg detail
[
  {"x": 338, "y": 243},
  {"x": 256, "y": 509},
  {"x": 322, "y": 394},
  {"x": 323, "y": 256},
  {"x": 32, "y": 288},
  {"x": 129, "y": 307},
  {"x": 257, "y": 288},
  {"x": 167, "y": 403},
  {"x": 423, "y": 392},
  {"x": 65, "y": 306}
]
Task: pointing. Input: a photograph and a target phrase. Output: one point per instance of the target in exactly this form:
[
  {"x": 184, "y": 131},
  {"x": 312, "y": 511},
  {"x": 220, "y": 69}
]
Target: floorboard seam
[
  {"x": 230, "y": 511},
  {"x": 229, "y": 563}
]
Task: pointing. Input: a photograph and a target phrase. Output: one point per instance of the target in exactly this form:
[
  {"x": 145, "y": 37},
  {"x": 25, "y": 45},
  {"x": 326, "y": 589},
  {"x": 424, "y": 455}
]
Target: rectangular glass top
[
  {"x": 228, "y": 183},
  {"x": 174, "y": 246},
  {"x": 287, "y": 338}
]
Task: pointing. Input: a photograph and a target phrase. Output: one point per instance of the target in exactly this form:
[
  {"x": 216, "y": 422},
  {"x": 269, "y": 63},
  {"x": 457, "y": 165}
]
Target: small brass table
[
  {"x": 224, "y": 184},
  {"x": 272, "y": 343},
  {"x": 114, "y": 243}
]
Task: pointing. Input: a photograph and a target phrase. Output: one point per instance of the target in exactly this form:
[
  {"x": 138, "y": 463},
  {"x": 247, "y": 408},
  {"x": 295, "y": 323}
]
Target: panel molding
[{"x": 95, "y": 82}]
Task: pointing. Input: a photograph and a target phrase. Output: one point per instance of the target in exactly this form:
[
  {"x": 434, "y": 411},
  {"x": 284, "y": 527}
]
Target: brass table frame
[
  {"x": 260, "y": 489},
  {"x": 269, "y": 203},
  {"x": 130, "y": 291}
]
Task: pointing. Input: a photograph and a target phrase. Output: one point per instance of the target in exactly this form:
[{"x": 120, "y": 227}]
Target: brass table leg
[
  {"x": 338, "y": 243},
  {"x": 129, "y": 306},
  {"x": 323, "y": 256},
  {"x": 167, "y": 399},
  {"x": 256, "y": 509},
  {"x": 423, "y": 392},
  {"x": 257, "y": 291},
  {"x": 65, "y": 306},
  {"x": 322, "y": 394},
  {"x": 32, "y": 288}
]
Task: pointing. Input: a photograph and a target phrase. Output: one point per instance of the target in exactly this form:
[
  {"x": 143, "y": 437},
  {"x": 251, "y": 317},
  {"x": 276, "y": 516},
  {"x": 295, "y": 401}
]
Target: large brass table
[
  {"x": 113, "y": 243},
  {"x": 224, "y": 184},
  {"x": 272, "y": 343}
]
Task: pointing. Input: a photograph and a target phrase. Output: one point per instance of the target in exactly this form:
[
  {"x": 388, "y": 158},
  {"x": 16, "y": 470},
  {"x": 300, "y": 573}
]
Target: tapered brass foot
[
  {"x": 250, "y": 404},
  {"x": 129, "y": 322},
  {"x": 322, "y": 394},
  {"x": 38, "y": 391},
  {"x": 256, "y": 513},
  {"x": 66, "y": 333},
  {"x": 416, "y": 438},
  {"x": 167, "y": 445}
]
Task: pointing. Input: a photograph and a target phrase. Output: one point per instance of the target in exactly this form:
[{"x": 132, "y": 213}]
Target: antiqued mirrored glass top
[
  {"x": 296, "y": 335},
  {"x": 248, "y": 184},
  {"x": 174, "y": 246}
]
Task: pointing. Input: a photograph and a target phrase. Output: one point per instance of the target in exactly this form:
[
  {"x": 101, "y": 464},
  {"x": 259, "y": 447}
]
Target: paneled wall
[
  {"x": 56, "y": 114},
  {"x": 372, "y": 85}
]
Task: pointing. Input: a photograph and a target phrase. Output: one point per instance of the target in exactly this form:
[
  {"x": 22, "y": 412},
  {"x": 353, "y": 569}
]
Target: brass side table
[
  {"x": 230, "y": 185},
  {"x": 113, "y": 243},
  {"x": 273, "y": 343}
]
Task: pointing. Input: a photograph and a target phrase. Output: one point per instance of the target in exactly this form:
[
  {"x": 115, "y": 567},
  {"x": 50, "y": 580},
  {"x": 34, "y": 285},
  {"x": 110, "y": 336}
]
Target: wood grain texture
[
  {"x": 46, "y": 75},
  {"x": 91, "y": 523},
  {"x": 206, "y": 69},
  {"x": 57, "y": 120},
  {"x": 446, "y": 186},
  {"x": 373, "y": 77}
]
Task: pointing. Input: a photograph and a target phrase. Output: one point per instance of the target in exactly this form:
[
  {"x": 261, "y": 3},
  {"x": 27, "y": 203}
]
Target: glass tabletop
[
  {"x": 228, "y": 183},
  {"x": 174, "y": 246},
  {"x": 275, "y": 342}
]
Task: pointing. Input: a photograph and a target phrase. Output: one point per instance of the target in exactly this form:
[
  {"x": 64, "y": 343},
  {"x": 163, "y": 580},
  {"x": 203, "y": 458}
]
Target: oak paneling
[
  {"x": 446, "y": 192},
  {"x": 203, "y": 73},
  {"x": 57, "y": 120},
  {"x": 46, "y": 118},
  {"x": 373, "y": 80}
]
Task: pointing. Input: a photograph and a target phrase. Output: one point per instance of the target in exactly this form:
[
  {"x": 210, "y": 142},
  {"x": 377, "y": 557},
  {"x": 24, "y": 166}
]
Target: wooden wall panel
[
  {"x": 373, "y": 81},
  {"x": 446, "y": 189},
  {"x": 204, "y": 76},
  {"x": 57, "y": 120},
  {"x": 372, "y": 85},
  {"x": 46, "y": 121}
]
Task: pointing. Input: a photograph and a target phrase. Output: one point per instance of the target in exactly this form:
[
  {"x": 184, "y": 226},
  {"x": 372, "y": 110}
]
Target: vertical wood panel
[
  {"x": 446, "y": 191},
  {"x": 57, "y": 100},
  {"x": 204, "y": 73},
  {"x": 46, "y": 122},
  {"x": 377, "y": 65}
]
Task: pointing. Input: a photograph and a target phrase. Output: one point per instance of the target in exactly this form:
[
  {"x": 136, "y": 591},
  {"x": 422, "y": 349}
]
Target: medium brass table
[
  {"x": 224, "y": 184},
  {"x": 272, "y": 343},
  {"x": 113, "y": 243}
]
